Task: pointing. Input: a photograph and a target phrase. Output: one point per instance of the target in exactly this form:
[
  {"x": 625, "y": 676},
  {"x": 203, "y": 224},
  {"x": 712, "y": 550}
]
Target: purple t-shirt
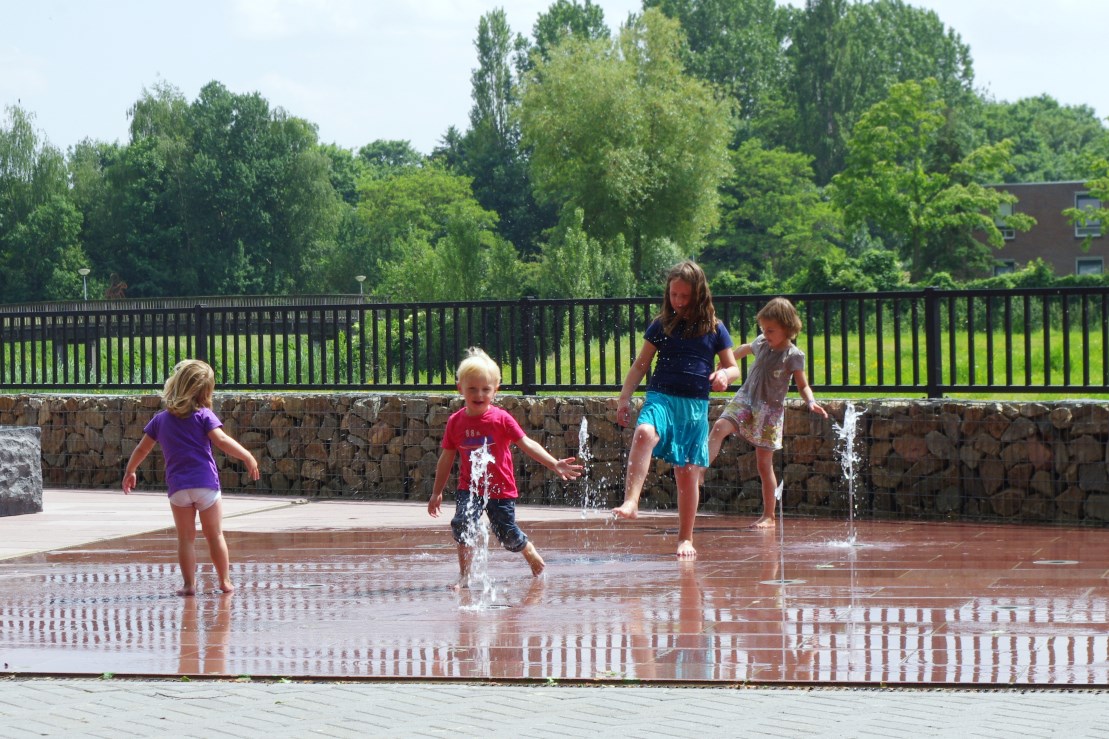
[{"x": 186, "y": 448}]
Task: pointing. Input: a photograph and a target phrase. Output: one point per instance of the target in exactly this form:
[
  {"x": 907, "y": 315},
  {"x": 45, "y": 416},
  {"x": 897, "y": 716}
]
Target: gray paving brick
[{"x": 161, "y": 708}]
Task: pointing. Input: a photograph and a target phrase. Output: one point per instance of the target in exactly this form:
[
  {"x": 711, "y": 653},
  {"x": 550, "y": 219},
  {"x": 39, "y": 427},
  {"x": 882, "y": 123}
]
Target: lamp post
[
  {"x": 360, "y": 279},
  {"x": 84, "y": 272}
]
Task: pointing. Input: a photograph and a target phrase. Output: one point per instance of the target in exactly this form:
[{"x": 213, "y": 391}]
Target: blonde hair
[
  {"x": 782, "y": 312},
  {"x": 477, "y": 362},
  {"x": 189, "y": 387},
  {"x": 701, "y": 313}
]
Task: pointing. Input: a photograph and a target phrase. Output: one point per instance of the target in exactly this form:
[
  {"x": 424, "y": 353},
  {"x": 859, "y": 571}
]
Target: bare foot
[
  {"x": 187, "y": 590},
  {"x": 628, "y": 510},
  {"x": 686, "y": 550},
  {"x": 766, "y": 522},
  {"x": 226, "y": 587},
  {"x": 531, "y": 554}
]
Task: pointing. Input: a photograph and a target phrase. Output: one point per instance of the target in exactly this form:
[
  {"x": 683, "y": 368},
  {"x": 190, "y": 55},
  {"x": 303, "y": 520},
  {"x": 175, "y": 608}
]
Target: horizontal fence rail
[{"x": 915, "y": 342}]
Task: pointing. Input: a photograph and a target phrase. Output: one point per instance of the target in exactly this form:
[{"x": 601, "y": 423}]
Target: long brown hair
[{"x": 700, "y": 315}]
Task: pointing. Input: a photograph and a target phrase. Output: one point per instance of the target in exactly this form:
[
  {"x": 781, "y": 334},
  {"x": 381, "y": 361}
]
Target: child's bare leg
[
  {"x": 764, "y": 460},
  {"x": 465, "y": 559},
  {"x": 184, "y": 520},
  {"x": 721, "y": 430},
  {"x": 688, "y": 479},
  {"x": 211, "y": 521},
  {"x": 639, "y": 461},
  {"x": 531, "y": 554}
]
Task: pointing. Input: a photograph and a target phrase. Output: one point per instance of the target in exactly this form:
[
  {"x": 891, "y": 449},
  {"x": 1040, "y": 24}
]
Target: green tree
[
  {"x": 1051, "y": 142},
  {"x": 577, "y": 266},
  {"x": 490, "y": 152},
  {"x": 619, "y": 131},
  {"x": 774, "y": 217},
  {"x": 470, "y": 262},
  {"x": 892, "y": 184},
  {"x": 1098, "y": 187},
  {"x": 135, "y": 199},
  {"x": 39, "y": 224},
  {"x": 565, "y": 19},
  {"x": 739, "y": 46},
  {"x": 260, "y": 200},
  {"x": 346, "y": 169},
  {"x": 385, "y": 157},
  {"x": 401, "y": 221},
  {"x": 845, "y": 58}
]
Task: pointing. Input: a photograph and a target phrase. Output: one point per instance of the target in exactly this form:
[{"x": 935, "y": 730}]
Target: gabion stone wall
[{"x": 944, "y": 459}]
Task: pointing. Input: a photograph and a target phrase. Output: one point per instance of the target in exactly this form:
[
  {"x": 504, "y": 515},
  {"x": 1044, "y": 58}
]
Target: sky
[{"x": 363, "y": 70}]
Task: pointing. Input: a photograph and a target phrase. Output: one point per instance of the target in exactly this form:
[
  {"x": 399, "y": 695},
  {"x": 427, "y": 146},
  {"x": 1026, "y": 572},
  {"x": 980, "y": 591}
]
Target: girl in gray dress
[{"x": 757, "y": 412}]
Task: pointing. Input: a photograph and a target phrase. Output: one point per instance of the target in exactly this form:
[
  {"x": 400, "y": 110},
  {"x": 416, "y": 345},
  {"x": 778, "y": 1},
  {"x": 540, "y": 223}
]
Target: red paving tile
[{"x": 913, "y": 603}]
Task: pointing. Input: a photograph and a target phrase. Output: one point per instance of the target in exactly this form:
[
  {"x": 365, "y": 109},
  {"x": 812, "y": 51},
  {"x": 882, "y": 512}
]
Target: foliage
[
  {"x": 774, "y": 217},
  {"x": 1051, "y": 142},
  {"x": 39, "y": 226},
  {"x": 422, "y": 235},
  {"x": 619, "y": 131},
  {"x": 739, "y": 47},
  {"x": 565, "y": 19},
  {"x": 895, "y": 182},
  {"x": 847, "y": 56},
  {"x": 1098, "y": 187},
  {"x": 574, "y": 265},
  {"x": 384, "y": 157},
  {"x": 490, "y": 152}
]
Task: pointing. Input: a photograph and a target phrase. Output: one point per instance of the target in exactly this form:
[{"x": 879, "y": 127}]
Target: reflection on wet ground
[{"x": 914, "y": 603}]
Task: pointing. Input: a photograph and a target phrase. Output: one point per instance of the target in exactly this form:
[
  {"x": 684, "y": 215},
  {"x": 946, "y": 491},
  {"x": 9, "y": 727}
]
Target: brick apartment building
[{"x": 1053, "y": 238}]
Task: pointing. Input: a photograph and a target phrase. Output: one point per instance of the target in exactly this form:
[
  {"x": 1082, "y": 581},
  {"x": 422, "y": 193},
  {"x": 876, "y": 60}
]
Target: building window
[
  {"x": 1004, "y": 210},
  {"x": 1089, "y": 266},
  {"x": 1004, "y": 267},
  {"x": 1085, "y": 201}
]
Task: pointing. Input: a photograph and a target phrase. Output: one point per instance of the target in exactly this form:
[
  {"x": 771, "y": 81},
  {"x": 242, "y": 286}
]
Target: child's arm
[
  {"x": 232, "y": 448},
  {"x": 635, "y": 376},
  {"x": 130, "y": 477},
  {"x": 803, "y": 387},
  {"x": 726, "y": 372},
  {"x": 565, "y": 468},
  {"x": 442, "y": 474}
]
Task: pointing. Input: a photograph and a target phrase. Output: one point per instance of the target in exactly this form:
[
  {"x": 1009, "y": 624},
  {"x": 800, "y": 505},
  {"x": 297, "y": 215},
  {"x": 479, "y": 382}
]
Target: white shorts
[{"x": 200, "y": 498}]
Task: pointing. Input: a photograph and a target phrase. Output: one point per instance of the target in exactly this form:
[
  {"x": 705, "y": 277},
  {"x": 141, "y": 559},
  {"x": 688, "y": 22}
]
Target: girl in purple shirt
[{"x": 186, "y": 431}]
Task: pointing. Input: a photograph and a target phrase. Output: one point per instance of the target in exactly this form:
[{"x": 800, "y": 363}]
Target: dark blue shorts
[{"x": 502, "y": 516}]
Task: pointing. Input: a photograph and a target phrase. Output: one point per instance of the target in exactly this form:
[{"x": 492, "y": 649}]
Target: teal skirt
[{"x": 682, "y": 425}]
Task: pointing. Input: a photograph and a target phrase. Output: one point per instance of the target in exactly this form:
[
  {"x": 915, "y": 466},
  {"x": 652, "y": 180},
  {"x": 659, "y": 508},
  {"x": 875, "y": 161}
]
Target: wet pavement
[{"x": 361, "y": 593}]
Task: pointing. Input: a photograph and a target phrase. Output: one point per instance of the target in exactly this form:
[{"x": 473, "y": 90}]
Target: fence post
[
  {"x": 201, "y": 333},
  {"x": 934, "y": 363},
  {"x": 527, "y": 320}
]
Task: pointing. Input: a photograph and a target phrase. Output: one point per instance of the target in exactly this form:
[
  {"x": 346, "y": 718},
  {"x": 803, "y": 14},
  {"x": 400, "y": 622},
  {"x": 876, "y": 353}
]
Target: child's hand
[
  {"x": 815, "y": 407},
  {"x": 435, "y": 504},
  {"x": 129, "y": 481},
  {"x": 567, "y": 470},
  {"x": 719, "y": 381},
  {"x": 252, "y": 468},
  {"x": 623, "y": 412}
]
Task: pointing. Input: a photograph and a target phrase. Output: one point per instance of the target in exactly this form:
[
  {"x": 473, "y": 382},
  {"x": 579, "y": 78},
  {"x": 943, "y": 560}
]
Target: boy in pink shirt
[{"x": 476, "y": 426}]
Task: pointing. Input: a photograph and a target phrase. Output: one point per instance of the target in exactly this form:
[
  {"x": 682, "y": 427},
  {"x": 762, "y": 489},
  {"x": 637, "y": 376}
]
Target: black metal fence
[{"x": 914, "y": 342}]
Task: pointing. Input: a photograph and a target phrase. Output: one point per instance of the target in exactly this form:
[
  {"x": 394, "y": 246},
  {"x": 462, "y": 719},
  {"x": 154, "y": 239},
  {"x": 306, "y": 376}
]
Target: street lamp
[
  {"x": 360, "y": 279},
  {"x": 84, "y": 272}
]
